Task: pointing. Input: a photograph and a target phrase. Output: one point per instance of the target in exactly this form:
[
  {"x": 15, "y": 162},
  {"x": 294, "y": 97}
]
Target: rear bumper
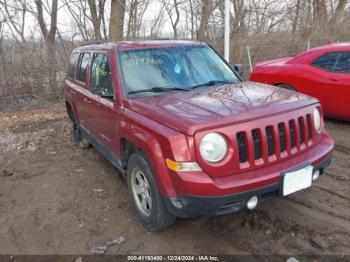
[{"x": 189, "y": 206}]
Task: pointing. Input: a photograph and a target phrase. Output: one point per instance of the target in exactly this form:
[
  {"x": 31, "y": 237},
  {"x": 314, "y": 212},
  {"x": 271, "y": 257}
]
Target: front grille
[
  {"x": 282, "y": 136},
  {"x": 309, "y": 126},
  {"x": 257, "y": 143},
  {"x": 301, "y": 130},
  {"x": 270, "y": 141},
  {"x": 242, "y": 147},
  {"x": 289, "y": 135},
  {"x": 292, "y": 133}
]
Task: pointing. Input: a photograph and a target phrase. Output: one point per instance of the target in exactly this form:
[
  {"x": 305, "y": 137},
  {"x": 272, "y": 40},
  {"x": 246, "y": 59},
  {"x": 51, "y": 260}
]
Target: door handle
[
  {"x": 73, "y": 92},
  {"x": 87, "y": 101},
  {"x": 334, "y": 79}
]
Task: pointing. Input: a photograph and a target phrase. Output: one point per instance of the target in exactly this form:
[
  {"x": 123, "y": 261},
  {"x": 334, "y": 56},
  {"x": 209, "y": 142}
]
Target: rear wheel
[
  {"x": 147, "y": 201},
  {"x": 286, "y": 86}
]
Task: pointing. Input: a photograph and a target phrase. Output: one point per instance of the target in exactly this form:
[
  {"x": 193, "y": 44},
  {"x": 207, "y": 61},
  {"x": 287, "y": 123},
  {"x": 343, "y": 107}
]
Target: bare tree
[
  {"x": 339, "y": 9},
  {"x": 14, "y": 13},
  {"x": 320, "y": 8},
  {"x": 48, "y": 35},
  {"x": 116, "y": 22},
  {"x": 97, "y": 15},
  {"x": 135, "y": 10},
  {"x": 157, "y": 23},
  {"x": 207, "y": 9},
  {"x": 172, "y": 7}
]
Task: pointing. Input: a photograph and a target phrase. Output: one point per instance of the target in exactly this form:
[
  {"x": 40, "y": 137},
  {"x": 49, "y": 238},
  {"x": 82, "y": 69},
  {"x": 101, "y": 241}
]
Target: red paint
[
  {"x": 332, "y": 89},
  {"x": 170, "y": 125}
]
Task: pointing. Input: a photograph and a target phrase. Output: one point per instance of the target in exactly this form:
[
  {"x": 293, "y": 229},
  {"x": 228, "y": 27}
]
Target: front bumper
[{"x": 189, "y": 206}]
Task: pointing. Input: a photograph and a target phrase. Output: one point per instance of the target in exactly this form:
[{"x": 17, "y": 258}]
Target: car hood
[{"x": 205, "y": 108}]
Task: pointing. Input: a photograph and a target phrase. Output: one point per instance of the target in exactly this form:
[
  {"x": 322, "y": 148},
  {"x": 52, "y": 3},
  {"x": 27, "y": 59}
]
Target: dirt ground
[{"x": 58, "y": 199}]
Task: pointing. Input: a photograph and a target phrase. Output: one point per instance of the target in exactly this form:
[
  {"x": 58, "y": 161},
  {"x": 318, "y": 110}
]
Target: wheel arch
[{"x": 151, "y": 148}]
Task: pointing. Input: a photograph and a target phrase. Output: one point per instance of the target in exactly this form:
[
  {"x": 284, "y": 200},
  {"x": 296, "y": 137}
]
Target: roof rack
[{"x": 97, "y": 42}]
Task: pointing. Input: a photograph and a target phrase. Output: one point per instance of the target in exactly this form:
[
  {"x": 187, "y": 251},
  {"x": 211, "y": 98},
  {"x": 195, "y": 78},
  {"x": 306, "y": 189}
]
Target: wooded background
[{"x": 35, "y": 44}]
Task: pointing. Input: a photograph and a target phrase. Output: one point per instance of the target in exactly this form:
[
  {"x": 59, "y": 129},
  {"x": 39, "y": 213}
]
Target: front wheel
[
  {"x": 147, "y": 202},
  {"x": 79, "y": 138}
]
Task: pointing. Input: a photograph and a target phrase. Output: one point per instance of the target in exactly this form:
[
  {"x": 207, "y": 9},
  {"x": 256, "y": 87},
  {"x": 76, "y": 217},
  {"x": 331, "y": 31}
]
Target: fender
[{"x": 157, "y": 147}]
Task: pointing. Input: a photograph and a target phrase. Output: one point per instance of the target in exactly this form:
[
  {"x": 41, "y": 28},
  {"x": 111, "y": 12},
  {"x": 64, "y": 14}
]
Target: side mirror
[
  {"x": 106, "y": 93},
  {"x": 103, "y": 92},
  {"x": 238, "y": 68}
]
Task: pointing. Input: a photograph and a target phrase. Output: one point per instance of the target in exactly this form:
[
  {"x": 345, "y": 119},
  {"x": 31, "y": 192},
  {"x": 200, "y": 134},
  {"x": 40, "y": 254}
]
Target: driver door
[{"x": 101, "y": 86}]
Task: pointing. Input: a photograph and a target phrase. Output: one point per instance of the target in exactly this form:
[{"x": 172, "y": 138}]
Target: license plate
[{"x": 297, "y": 180}]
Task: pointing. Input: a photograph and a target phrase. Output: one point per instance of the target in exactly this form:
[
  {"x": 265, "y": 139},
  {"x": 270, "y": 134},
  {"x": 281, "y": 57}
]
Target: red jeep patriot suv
[{"x": 188, "y": 134}]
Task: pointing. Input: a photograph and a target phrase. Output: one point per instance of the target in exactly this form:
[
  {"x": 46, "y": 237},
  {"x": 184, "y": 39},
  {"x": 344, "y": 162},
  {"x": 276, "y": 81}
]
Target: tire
[
  {"x": 79, "y": 138},
  {"x": 286, "y": 86},
  {"x": 147, "y": 201}
]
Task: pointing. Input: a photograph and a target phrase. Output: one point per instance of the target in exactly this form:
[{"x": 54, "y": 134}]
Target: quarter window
[
  {"x": 83, "y": 67},
  {"x": 101, "y": 77}
]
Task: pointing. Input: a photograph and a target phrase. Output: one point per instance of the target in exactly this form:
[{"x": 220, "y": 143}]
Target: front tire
[
  {"x": 147, "y": 201},
  {"x": 79, "y": 138}
]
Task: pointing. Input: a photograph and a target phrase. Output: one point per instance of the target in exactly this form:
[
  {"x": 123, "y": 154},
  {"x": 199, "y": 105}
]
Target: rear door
[{"x": 85, "y": 99}]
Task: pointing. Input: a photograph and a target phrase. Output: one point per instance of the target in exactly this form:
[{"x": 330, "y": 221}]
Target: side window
[
  {"x": 83, "y": 67},
  {"x": 101, "y": 77},
  {"x": 326, "y": 61},
  {"x": 343, "y": 63},
  {"x": 71, "y": 65}
]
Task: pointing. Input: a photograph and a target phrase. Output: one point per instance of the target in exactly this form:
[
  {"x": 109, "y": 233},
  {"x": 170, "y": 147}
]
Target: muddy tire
[
  {"x": 147, "y": 201},
  {"x": 79, "y": 138}
]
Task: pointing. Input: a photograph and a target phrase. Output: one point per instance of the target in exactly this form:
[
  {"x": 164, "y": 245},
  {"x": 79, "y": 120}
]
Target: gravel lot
[{"x": 58, "y": 199}]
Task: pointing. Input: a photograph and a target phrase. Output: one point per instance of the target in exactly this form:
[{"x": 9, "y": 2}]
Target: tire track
[
  {"x": 318, "y": 209},
  {"x": 332, "y": 192},
  {"x": 342, "y": 149},
  {"x": 336, "y": 177}
]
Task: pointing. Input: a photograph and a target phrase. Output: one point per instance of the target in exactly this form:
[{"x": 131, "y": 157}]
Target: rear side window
[
  {"x": 326, "y": 61},
  {"x": 71, "y": 65},
  {"x": 343, "y": 63},
  {"x": 84, "y": 63},
  {"x": 338, "y": 62}
]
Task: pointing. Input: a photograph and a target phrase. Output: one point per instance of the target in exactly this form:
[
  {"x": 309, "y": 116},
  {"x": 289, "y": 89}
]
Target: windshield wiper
[
  {"x": 213, "y": 82},
  {"x": 158, "y": 89}
]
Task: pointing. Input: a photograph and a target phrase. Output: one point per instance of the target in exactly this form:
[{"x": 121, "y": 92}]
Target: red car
[
  {"x": 187, "y": 134},
  {"x": 322, "y": 72}
]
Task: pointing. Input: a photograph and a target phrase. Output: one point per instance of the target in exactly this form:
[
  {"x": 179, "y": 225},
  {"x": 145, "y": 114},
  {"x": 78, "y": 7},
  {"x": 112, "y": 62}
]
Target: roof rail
[{"x": 97, "y": 42}]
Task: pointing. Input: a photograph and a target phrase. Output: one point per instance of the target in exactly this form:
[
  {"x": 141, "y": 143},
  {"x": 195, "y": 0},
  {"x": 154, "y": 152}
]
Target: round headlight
[
  {"x": 317, "y": 120},
  {"x": 213, "y": 147}
]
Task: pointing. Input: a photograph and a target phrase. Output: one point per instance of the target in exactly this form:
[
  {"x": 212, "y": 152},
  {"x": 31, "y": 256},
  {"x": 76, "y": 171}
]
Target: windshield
[{"x": 176, "y": 68}]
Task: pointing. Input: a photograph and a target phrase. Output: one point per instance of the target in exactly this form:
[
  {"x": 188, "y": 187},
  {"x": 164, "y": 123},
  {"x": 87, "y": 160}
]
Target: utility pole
[{"x": 227, "y": 31}]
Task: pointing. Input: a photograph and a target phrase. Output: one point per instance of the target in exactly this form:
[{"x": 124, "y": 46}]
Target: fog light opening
[
  {"x": 252, "y": 202},
  {"x": 315, "y": 175}
]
